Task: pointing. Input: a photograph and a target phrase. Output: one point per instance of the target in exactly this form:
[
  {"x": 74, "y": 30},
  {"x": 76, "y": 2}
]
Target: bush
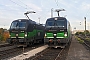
[
  {"x": 80, "y": 41},
  {"x": 79, "y": 33},
  {"x": 4, "y": 35},
  {"x": 1, "y": 37},
  {"x": 86, "y": 31},
  {"x": 88, "y": 39}
]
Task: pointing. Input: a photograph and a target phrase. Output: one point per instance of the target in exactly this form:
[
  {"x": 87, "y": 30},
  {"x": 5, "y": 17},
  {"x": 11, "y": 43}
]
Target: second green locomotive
[{"x": 57, "y": 32}]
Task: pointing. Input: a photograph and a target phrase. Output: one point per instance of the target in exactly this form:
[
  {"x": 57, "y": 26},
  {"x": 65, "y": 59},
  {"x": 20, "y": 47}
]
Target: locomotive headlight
[
  {"x": 16, "y": 34},
  {"x": 25, "y": 35},
  {"x": 45, "y": 35},
  {"x": 54, "y": 34},
  {"x": 65, "y": 34}
]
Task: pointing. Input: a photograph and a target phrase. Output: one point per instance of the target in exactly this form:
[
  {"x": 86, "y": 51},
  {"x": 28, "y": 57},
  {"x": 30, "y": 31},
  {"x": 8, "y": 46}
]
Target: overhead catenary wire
[
  {"x": 18, "y": 4},
  {"x": 21, "y": 6},
  {"x": 14, "y": 3},
  {"x": 56, "y": 2},
  {"x": 24, "y": 4},
  {"x": 87, "y": 12}
]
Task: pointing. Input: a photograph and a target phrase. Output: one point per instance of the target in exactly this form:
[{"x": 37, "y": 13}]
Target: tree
[
  {"x": 5, "y": 35},
  {"x": 77, "y": 33},
  {"x": 86, "y": 31},
  {"x": 1, "y": 34}
]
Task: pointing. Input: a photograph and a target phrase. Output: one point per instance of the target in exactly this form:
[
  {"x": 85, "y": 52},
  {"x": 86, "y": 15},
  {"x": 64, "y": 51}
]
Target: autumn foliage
[{"x": 4, "y": 34}]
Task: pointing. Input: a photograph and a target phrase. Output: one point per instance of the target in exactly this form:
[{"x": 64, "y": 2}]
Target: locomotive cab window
[
  {"x": 60, "y": 23},
  {"x": 16, "y": 25},
  {"x": 13, "y": 25},
  {"x": 55, "y": 23},
  {"x": 22, "y": 24},
  {"x": 50, "y": 23}
]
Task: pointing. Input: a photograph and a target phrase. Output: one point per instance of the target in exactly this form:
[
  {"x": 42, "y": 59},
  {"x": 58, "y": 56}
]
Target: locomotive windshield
[
  {"x": 50, "y": 23},
  {"x": 60, "y": 23},
  {"x": 16, "y": 25},
  {"x": 55, "y": 23}
]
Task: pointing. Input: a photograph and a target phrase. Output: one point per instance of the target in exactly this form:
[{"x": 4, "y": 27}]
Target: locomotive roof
[
  {"x": 26, "y": 20},
  {"x": 56, "y": 17}
]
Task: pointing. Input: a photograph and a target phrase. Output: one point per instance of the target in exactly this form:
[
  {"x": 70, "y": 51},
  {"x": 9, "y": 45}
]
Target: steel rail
[
  {"x": 87, "y": 45},
  {"x": 59, "y": 54}
]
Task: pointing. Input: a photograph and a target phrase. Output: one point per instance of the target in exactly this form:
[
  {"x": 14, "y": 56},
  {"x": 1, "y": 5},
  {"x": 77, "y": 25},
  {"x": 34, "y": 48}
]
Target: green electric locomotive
[
  {"x": 26, "y": 32},
  {"x": 57, "y": 32}
]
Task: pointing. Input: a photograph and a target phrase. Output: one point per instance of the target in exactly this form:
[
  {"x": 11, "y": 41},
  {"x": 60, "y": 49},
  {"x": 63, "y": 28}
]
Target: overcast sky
[{"x": 75, "y": 12}]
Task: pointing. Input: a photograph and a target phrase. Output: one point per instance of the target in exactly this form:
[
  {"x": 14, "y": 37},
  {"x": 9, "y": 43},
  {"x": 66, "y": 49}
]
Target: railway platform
[
  {"x": 77, "y": 51},
  {"x": 29, "y": 53}
]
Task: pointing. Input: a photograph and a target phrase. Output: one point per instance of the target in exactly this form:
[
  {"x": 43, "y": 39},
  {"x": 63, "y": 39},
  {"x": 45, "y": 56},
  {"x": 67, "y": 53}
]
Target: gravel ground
[{"x": 17, "y": 51}]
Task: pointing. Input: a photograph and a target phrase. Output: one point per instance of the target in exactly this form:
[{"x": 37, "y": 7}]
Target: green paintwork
[
  {"x": 33, "y": 33},
  {"x": 21, "y": 34},
  {"x": 12, "y": 34},
  {"x": 69, "y": 32},
  {"x": 49, "y": 34},
  {"x": 61, "y": 34},
  {"x": 29, "y": 34}
]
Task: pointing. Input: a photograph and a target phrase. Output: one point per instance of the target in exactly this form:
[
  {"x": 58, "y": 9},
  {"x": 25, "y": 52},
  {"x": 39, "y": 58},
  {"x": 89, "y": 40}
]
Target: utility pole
[
  {"x": 74, "y": 30},
  {"x": 80, "y": 23},
  {"x": 85, "y": 25},
  {"x": 88, "y": 26},
  {"x": 39, "y": 20},
  {"x": 51, "y": 12}
]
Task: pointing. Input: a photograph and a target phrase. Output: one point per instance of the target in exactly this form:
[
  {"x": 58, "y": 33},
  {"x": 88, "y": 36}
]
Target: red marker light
[
  {"x": 58, "y": 40},
  {"x": 50, "y": 40}
]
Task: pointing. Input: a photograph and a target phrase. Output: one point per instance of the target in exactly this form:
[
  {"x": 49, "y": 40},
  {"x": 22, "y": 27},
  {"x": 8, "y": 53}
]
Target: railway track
[
  {"x": 6, "y": 54},
  {"x": 47, "y": 54},
  {"x": 87, "y": 44},
  {"x": 6, "y": 51},
  {"x": 7, "y": 47},
  {"x": 4, "y": 45},
  {"x": 51, "y": 54}
]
